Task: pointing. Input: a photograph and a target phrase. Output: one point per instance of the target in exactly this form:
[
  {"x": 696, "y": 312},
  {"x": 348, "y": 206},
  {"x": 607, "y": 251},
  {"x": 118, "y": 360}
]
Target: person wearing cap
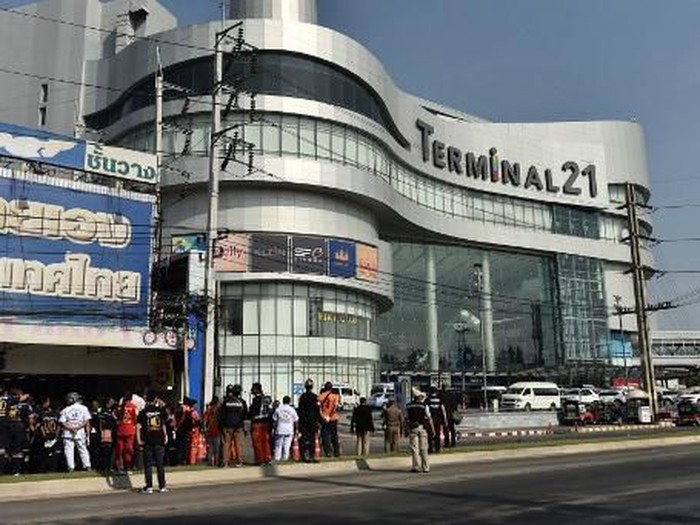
[
  {"x": 75, "y": 422},
  {"x": 232, "y": 414},
  {"x": 328, "y": 402},
  {"x": 260, "y": 425},
  {"x": 419, "y": 425},
  {"x": 309, "y": 418},
  {"x": 152, "y": 436}
]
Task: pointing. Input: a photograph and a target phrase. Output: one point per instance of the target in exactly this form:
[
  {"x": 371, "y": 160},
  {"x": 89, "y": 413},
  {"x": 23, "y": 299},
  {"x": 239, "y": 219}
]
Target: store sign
[
  {"x": 569, "y": 179},
  {"x": 231, "y": 253},
  {"x": 73, "y": 253},
  {"x": 367, "y": 262},
  {"x": 308, "y": 255},
  {"x": 121, "y": 163},
  {"x": 341, "y": 258},
  {"x": 186, "y": 243},
  {"x": 77, "y": 154},
  {"x": 269, "y": 253},
  {"x": 333, "y": 317}
]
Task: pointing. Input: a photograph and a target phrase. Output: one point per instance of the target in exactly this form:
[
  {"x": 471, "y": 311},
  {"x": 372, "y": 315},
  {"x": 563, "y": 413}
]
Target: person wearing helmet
[
  {"x": 232, "y": 414},
  {"x": 329, "y": 402},
  {"x": 75, "y": 421},
  {"x": 309, "y": 418},
  {"x": 260, "y": 425}
]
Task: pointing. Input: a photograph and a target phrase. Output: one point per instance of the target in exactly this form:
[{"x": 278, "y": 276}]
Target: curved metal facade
[{"x": 420, "y": 184}]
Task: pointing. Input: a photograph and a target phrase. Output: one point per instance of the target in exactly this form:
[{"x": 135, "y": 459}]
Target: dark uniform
[
  {"x": 451, "y": 402},
  {"x": 419, "y": 426},
  {"x": 5, "y": 400},
  {"x": 18, "y": 413},
  {"x": 153, "y": 436},
  {"x": 439, "y": 417},
  {"x": 232, "y": 414},
  {"x": 309, "y": 418},
  {"x": 105, "y": 424},
  {"x": 46, "y": 446},
  {"x": 260, "y": 428}
]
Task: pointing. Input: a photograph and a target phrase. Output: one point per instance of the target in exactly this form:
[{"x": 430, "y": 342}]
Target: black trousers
[
  {"x": 154, "y": 455},
  {"x": 329, "y": 438},
  {"x": 18, "y": 447},
  {"x": 450, "y": 433},
  {"x": 307, "y": 443}
]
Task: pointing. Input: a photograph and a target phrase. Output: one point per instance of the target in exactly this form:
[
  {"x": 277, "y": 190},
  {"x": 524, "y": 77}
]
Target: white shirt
[
  {"x": 73, "y": 417},
  {"x": 284, "y": 417}
]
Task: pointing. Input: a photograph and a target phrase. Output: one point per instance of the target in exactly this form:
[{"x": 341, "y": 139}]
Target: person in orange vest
[
  {"x": 210, "y": 419},
  {"x": 260, "y": 427},
  {"x": 197, "y": 444},
  {"x": 328, "y": 402},
  {"x": 126, "y": 434}
]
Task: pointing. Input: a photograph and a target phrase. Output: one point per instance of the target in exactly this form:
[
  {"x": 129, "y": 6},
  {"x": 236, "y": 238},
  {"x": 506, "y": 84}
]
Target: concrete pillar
[{"x": 487, "y": 313}]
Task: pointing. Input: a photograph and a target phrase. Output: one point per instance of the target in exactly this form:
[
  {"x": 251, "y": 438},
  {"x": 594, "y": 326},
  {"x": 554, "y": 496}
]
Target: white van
[
  {"x": 531, "y": 395},
  {"x": 349, "y": 397},
  {"x": 380, "y": 394}
]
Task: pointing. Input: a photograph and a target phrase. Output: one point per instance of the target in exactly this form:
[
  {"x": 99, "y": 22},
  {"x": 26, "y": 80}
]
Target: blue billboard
[
  {"x": 42, "y": 146},
  {"x": 73, "y": 253}
]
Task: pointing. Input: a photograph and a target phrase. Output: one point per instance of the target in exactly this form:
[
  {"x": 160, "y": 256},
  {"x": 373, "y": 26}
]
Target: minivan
[
  {"x": 531, "y": 395},
  {"x": 349, "y": 397}
]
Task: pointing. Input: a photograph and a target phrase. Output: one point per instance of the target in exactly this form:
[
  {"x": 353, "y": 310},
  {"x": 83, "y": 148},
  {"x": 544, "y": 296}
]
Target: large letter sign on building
[{"x": 73, "y": 253}]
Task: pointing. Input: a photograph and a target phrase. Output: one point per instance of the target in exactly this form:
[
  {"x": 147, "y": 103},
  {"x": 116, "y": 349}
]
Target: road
[{"x": 652, "y": 486}]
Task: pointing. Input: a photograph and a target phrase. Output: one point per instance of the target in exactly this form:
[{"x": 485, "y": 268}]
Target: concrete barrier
[{"x": 502, "y": 420}]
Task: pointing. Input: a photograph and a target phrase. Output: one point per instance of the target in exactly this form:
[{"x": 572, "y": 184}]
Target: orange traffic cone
[
  {"x": 317, "y": 447},
  {"x": 296, "y": 453}
]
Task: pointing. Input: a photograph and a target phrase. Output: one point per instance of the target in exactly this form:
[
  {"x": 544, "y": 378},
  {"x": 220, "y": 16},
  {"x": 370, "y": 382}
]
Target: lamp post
[
  {"x": 618, "y": 309},
  {"x": 478, "y": 277}
]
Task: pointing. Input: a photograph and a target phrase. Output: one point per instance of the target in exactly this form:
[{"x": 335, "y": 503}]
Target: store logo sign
[
  {"x": 341, "y": 259},
  {"x": 569, "y": 180}
]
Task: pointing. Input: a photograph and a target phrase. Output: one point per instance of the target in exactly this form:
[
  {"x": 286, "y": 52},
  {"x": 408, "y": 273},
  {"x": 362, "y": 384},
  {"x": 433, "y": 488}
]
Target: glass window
[
  {"x": 351, "y": 146},
  {"x": 250, "y": 315},
  {"x": 324, "y": 140},
  {"x": 307, "y": 138},
  {"x": 290, "y": 135},
  {"x": 337, "y": 144},
  {"x": 271, "y": 136}
]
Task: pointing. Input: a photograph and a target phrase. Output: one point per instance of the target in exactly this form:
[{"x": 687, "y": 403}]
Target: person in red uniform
[
  {"x": 195, "y": 432},
  {"x": 260, "y": 427},
  {"x": 127, "y": 414}
]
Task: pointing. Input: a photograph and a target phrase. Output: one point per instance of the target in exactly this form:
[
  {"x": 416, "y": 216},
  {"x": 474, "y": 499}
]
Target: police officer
[
  {"x": 5, "y": 400},
  {"x": 439, "y": 417},
  {"x": 309, "y": 418},
  {"x": 232, "y": 414},
  {"x": 46, "y": 451},
  {"x": 419, "y": 425},
  {"x": 18, "y": 414},
  {"x": 260, "y": 428}
]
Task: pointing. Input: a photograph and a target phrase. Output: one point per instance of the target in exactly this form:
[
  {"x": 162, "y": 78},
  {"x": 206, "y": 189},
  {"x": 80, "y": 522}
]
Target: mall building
[{"x": 362, "y": 227}]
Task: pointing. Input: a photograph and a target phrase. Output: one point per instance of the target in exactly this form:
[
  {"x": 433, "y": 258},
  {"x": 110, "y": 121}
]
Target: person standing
[
  {"x": 328, "y": 402},
  {"x": 419, "y": 425},
  {"x": 232, "y": 414},
  {"x": 45, "y": 445},
  {"x": 393, "y": 421},
  {"x": 126, "y": 434},
  {"x": 362, "y": 425},
  {"x": 285, "y": 420},
  {"x": 309, "y": 418},
  {"x": 19, "y": 413},
  {"x": 5, "y": 400},
  {"x": 152, "y": 436},
  {"x": 260, "y": 425},
  {"x": 75, "y": 421},
  {"x": 451, "y": 402},
  {"x": 210, "y": 419},
  {"x": 439, "y": 418},
  {"x": 197, "y": 448}
]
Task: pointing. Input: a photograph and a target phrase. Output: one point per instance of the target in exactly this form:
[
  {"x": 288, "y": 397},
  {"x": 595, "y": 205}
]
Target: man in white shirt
[
  {"x": 75, "y": 421},
  {"x": 285, "y": 419}
]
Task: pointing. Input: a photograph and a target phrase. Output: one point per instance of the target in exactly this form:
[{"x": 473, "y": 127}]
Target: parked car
[
  {"x": 531, "y": 395},
  {"x": 582, "y": 395},
  {"x": 380, "y": 394},
  {"x": 612, "y": 396},
  {"x": 349, "y": 397}
]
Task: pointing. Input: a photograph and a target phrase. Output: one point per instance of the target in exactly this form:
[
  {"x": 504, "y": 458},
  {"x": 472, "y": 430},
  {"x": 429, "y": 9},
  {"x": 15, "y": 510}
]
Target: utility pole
[{"x": 640, "y": 301}]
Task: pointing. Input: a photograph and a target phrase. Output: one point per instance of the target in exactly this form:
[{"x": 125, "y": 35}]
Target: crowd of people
[{"x": 119, "y": 435}]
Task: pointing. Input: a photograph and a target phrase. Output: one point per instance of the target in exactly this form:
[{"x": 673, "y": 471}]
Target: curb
[
  {"x": 33, "y": 490},
  {"x": 550, "y": 431}
]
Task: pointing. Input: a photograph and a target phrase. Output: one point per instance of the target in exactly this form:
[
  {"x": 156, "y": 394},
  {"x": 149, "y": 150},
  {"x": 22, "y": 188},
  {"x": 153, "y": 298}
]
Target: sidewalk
[{"x": 54, "y": 488}]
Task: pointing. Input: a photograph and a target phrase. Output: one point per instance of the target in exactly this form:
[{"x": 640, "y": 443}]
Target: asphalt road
[{"x": 641, "y": 487}]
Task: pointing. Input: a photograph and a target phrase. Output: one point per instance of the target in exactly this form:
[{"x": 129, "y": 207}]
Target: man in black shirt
[
  {"x": 19, "y": 411},
  {"x": 419, "y": 425},
  {"x": 152, "y": 435},
  {"x": 232, "y": 414},
  {"x": 309, "y": 418},
  {"x": 362, "y": 425},
  {"x": 439, "y": 417},
  {"x": 46, "y": 450}
]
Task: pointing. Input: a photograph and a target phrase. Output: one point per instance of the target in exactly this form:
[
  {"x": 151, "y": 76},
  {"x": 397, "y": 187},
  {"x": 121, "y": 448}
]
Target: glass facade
[
  {"x": 270, "y": 73},
  {"x": 522, "y": 298},
  {"x": 584, "y": 314},
  {"x": 303, "y": 137},
  {"x": 283, "y": 333}
]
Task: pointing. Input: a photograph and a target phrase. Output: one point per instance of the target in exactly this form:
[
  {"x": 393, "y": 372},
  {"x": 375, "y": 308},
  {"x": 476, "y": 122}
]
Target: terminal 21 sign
[
  {"x": 571, "y": 179},
  {"x": 73, "y": 253}
]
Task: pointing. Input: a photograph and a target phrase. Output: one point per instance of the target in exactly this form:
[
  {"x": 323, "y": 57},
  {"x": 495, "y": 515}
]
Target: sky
[{"x": 552, "y": 60}]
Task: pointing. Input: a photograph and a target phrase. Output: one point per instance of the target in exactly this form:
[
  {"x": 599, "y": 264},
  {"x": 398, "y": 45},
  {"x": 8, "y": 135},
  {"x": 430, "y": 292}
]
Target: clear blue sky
[{"x": 542, "y": 60}]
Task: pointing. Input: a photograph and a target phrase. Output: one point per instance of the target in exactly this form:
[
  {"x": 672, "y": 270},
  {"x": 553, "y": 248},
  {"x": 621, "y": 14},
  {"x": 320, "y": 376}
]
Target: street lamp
[{"x": 474, "y": 321}]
